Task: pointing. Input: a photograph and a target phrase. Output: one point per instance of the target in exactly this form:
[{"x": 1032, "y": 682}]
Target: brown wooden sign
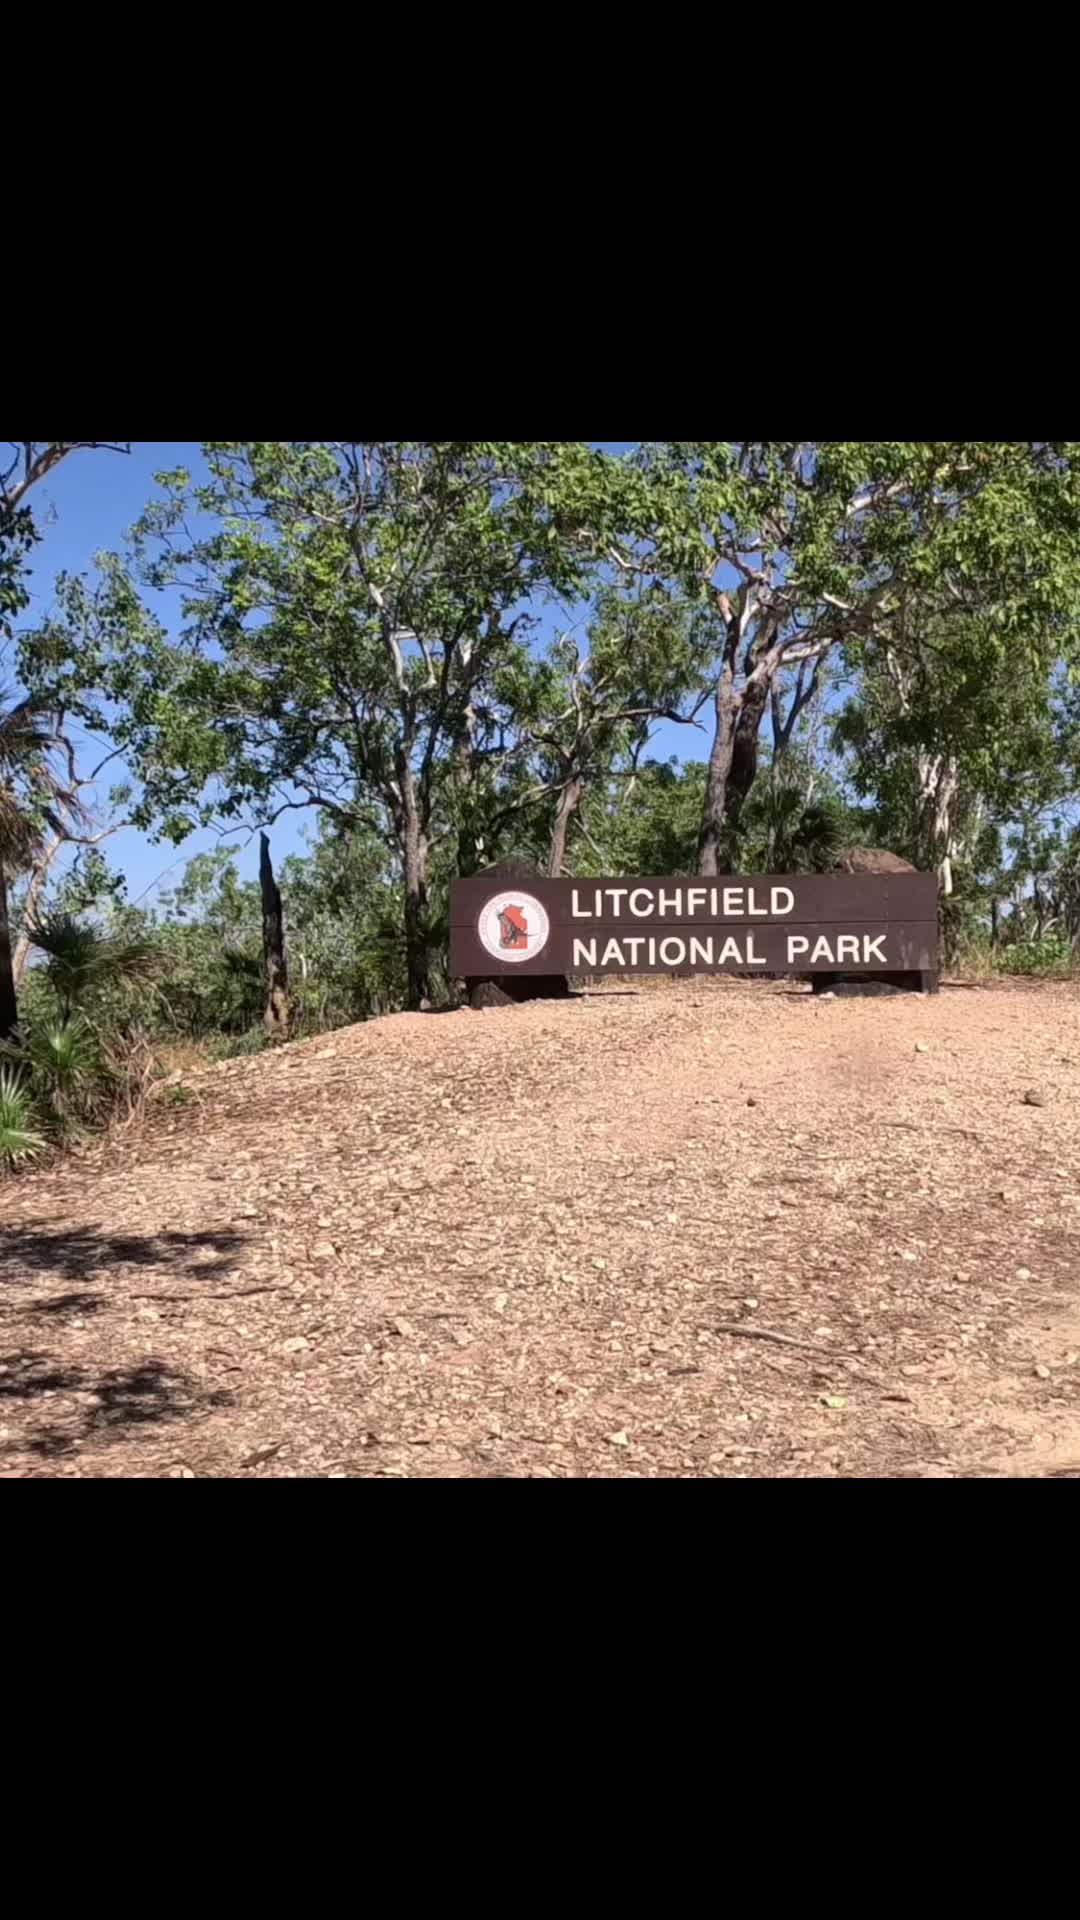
[{"x": 802, "y": 923}]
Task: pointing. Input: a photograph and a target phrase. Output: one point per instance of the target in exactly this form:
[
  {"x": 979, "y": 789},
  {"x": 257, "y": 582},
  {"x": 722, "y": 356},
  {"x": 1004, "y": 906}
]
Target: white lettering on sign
[
  {"x": 860, "y": 949},
  {"x": 634, "y": 951},
  {"x": 678, "y": 903}
]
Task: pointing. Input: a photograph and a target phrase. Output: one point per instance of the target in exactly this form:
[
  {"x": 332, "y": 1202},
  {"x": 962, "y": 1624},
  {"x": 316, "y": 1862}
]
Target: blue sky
[{"x": 86, "y": 505}]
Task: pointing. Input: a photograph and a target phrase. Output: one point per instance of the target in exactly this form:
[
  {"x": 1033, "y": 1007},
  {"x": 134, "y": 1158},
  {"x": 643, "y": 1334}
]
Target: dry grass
[
  {"x": 184, "y": 1056},
  {"x": 559, "y": 1241}
]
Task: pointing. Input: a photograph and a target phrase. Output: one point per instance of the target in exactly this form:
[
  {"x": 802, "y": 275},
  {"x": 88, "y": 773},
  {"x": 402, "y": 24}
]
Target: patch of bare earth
[{"x": 700, "y": 1229}]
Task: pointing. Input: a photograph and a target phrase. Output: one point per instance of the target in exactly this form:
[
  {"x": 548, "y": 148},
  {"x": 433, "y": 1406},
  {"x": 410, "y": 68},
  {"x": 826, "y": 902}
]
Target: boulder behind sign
[{"x": 870, "y": 860}]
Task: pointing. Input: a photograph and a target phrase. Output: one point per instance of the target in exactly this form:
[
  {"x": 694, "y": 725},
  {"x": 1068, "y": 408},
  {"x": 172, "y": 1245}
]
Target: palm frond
[
  {"x": 79, "y": 958},
  {"x": 32, "y": 786},
  {"x": 19, "y": 1138},
  {"x": 64, "y": 1056},
  {"x": 20, "y": 835}
]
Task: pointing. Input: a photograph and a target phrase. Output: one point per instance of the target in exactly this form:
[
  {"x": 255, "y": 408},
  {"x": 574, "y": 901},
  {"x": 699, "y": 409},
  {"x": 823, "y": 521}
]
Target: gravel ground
[{"x": 693, "y": 1229}]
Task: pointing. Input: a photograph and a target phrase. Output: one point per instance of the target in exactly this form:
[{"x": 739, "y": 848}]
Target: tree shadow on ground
[
  {"x": 80, "y": 1253},
  {"x": 110, "y": 1405}
]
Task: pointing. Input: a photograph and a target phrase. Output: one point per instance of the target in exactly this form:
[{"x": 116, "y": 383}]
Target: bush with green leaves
[
  {"x": 1054, "y": 954},
  {"x": 79, "y": 1056}
]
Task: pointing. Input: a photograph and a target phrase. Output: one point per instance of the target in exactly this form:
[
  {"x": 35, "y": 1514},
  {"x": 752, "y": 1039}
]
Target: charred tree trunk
[
  {"x": 569, "y": 802},
  {"x": 995, "y": 921},
  {"x": 278, "y": 1017},
  {"x": 9, "y": 1005}
]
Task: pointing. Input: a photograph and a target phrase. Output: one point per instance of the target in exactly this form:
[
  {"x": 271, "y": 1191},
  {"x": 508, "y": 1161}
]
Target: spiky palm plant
[
  {"x": 80, "y": 958},
  {"x": 19, "y": 1138},
  {"x": 62, "y": 1065}
]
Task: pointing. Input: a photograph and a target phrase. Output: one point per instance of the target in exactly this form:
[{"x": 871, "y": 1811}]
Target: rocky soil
[{"x": 697, "y": 1229}]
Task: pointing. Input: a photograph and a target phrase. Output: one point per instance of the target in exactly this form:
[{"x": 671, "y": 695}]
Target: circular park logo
[{"x": 514, "y": 927}]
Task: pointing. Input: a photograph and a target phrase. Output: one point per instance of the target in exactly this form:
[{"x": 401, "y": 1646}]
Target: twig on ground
[
  {"x": 783, "y": 1340},
  {"x": 842, "y": 1355},
  {"x": 907, "y": 1126},
  {"x": 236, "y": 1293}
]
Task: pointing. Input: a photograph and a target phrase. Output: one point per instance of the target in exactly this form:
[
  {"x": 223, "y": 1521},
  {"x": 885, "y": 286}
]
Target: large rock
[
  {"x": 510, "y": 989},
  {"x": 870, "y": 860}
]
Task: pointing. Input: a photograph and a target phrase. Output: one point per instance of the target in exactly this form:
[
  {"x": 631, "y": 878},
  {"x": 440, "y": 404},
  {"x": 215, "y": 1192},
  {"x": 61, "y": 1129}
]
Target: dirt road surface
[{"x": 701, "y": 1229}]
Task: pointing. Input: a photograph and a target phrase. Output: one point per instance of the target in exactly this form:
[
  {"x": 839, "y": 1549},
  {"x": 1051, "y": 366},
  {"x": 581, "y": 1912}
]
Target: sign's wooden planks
[{"x": 803, "y": 923}]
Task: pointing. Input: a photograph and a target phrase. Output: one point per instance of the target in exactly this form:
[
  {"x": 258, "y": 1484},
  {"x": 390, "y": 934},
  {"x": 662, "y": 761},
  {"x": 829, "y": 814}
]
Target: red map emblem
[{"x": 513, "y": 930}]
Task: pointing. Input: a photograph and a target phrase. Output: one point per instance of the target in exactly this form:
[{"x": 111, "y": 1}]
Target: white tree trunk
[{"x": 939, "y": 786}]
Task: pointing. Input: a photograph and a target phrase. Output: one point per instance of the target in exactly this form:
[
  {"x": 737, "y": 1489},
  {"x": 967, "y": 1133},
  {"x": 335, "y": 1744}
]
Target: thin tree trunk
[
  {"x": 995, "y": 921},
  {"x": 470, "y": 847},
  {"x": 733, "y": 766},
  {"x": 716, "y": 785},
  {"x": 744, "y": 759},
  {"x": 9, "y": 1005},
  {"x": 416, "y": 901},
  {"x": 34, "y": 891},
  {"x": 569, "y": 802},
  {"x": 939, "y": 783},
  {"x": 278, "y": 1017}
]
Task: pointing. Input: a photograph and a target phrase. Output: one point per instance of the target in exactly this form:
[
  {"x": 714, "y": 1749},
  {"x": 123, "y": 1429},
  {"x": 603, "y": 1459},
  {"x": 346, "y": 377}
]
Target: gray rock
[{"x": 871, "y": 860}]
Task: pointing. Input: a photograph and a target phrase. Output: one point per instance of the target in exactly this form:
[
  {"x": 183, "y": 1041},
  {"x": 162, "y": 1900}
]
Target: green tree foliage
[
  {"x": 807, "y": 548},
  {"x": 17, "y": 537},
  {"x": 596, "y": 697},
  {"x": 361, "y": 632},
  {"x": 354, "y": 619},
  {"x": 646, "y": 823},
  {"x": 24, "y": 464}
]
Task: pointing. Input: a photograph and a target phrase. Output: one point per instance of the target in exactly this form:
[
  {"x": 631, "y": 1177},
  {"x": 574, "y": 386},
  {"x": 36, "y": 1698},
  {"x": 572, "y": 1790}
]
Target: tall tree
[
  {"x": 32, "y": 794},
  {"x": 596, "y": 696},
  {"x": 347, "y": 617},
  {"x": 806, "y": 547},
  {"x": 32, "y": 797},
  {"x": 954, "y": 728}
]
